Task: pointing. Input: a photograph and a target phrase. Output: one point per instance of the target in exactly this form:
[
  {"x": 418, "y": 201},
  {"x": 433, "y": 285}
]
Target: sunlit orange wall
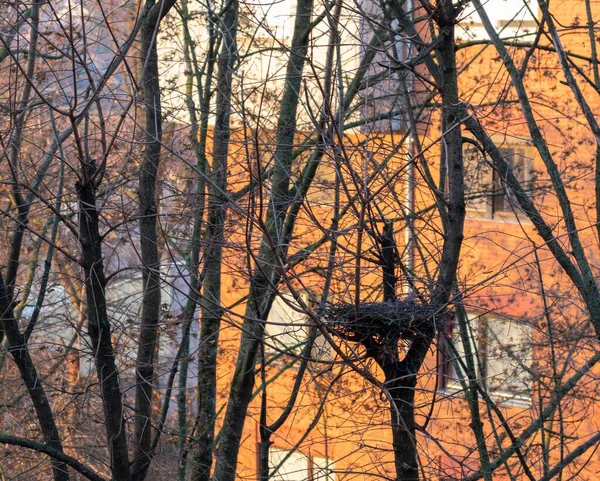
[{"x": 497, "y": 271}]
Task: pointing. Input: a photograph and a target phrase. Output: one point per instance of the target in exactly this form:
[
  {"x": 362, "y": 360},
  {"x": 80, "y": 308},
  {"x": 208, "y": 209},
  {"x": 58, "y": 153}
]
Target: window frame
[
  {"x": 488, "y": 189},
  {"x": 514, "y": 20},
  {"x": 481, "y": 343},
  {"x": 321, "y": 352},
  {"x": 312, "y": 467}
]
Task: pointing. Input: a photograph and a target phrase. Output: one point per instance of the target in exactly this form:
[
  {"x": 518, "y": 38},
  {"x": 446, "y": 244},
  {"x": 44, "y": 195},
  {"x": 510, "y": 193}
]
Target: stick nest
[{"x": 398, "y": 318}]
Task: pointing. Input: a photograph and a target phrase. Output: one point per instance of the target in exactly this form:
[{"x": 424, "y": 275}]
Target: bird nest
[{"x": 398, "y": 318}]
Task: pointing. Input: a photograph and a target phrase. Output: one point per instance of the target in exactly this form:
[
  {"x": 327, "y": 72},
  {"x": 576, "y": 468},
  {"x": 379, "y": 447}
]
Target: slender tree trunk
[
  {"x": 71, "y": 378},
  {"x": 182, "y": 444},
  {"x": 271, "y": 253},
  {"x": 198, "y": 138},
  {"x": 22, "y": 205},
  {"x": 145, "y": 372},
  {"x": 211, "y": 308},
  {"x": 17, "y": 348},
  {"x": 263, "y": 460}
]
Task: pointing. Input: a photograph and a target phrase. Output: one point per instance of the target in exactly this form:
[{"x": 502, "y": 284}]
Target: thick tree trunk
[
  {"x": 145, "y": 374},
  {"x": 401, "y": 376},
  {"x": 451, "y": 159},
  {"x": 402, "y": 406},
  {"x": 99, "y": 328},
  {"x": 400, "y": 382}
]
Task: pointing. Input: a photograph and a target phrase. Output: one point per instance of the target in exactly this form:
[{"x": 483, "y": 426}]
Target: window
[
  {"x": 513, "y": 18},
  {"x": 272, "y": 19},
  {"x": 503, "y": 356},
  {"x": 322, "y": 469},
  {"x": 296, "y": 466},
  {"x": 486, "y": 190},
  {"x": 287, "y": 326},
  {"x": 287, "y": 329},
  {"x": 124, "y": 296},
  {"x": 175, "y": 279},
  {"x": 382, "y": 94}
]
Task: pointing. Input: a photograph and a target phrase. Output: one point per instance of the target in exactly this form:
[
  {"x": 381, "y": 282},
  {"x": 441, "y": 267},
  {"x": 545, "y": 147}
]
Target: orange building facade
[{"x": 528, "y": 329}]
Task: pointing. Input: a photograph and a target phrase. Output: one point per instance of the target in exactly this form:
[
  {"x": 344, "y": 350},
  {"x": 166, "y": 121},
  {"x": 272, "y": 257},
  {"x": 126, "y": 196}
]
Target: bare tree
[{"x": 346, "y": 172}]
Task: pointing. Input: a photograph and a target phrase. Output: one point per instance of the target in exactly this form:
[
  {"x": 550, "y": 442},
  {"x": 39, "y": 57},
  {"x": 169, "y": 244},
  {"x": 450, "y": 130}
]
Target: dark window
[{"x": 488, "y": 194}]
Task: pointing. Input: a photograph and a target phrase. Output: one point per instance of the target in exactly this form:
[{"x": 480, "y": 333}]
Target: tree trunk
[
  {"x": 211, "y": 308},
  {"x": 17, "y": 348},
  {"x": 22, "y": 205},
  {"x": 402, "y": 406},
  {"x": 270, "y": 256},
  {"x": 99, "y": 328},
  {"x": 145, "y": 375},
  {"x": 263, "y": 460}
]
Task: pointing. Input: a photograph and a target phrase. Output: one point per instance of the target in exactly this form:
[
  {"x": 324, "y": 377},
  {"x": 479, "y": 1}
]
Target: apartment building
[{"x": 526, "y": 329}]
